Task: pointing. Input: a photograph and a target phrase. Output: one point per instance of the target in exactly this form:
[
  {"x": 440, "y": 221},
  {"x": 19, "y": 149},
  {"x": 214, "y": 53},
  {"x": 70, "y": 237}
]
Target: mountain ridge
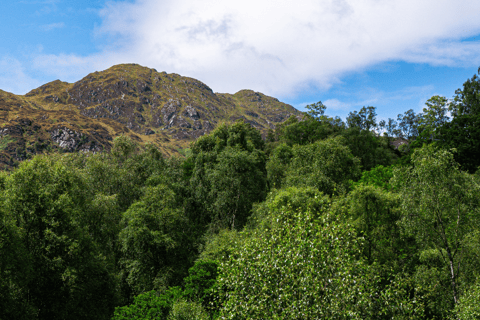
[{"x": 168, "y": 110}]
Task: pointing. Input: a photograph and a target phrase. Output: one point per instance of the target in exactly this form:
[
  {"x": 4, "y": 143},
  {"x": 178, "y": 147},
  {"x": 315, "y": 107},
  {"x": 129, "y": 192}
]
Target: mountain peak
[{"x": 168, "y": 110}]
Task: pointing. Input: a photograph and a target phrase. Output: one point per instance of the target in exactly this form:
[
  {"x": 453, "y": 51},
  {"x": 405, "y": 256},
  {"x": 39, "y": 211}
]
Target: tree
[
  {"x": 314, "y": 126},
  {"x": 154, "y": 252},
  {"x": 463, "y": 132},
  {"x": 277, "y": 165},
  {"x": 15, "y": 269},
  {"x": 379, "y": 176},
  {"x": 228, "y": 175},
  {"x": 326, "y": 165},
  {"x": 408, "y": 124},
  {"x": 440, "y": 209},
  {"x": 300, "y": 263},
  {"x": 434, "y": 117},
  {"x": 150, "y": 305},
  {"x": 316, "y": 110},
  {"x": 468, "y": 307},
  {"x": 368, "y": 147},
  {"x": 69, "y": 276},
  {"x": 365, "y": 119}
]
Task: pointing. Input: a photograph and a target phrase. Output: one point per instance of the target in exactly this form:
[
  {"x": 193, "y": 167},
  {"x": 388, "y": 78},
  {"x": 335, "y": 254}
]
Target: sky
[{"x": 390, "y": 54}]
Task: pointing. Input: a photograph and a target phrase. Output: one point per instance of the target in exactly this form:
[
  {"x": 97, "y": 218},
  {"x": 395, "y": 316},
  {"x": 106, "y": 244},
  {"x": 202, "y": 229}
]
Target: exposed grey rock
[
  {"x": 182, "y": 123},
  {"x": 66, "y": 138},
  {"x": 169, "y": 110},
  {"x": 191, "y": 113},
  {"x": 208, "y": 126},
  {"x": 197, "y": 125}
]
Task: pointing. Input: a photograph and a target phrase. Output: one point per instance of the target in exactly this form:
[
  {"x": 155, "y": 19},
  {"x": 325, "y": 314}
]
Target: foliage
[
  {"x": 468, "y": 307},
  {"x": 201, "y": 278},
  {"x": 41, "y": 199},
  {"x": 463, "y": 132},
  {"x": 433, "y": 118},
  {"x": 151, "y": 241},
  {"x": 220, "y": 246},
  {"x": 150, "y": 305},
  {"x": 312, "y": 127},
  {"x": 379, "y": 176},
  {"x": 184, "y": 310},
  {"x": 368, "y": 147},
  {"x": 440, "y": 209},
  {"x": 298, "y": 269},
  {"x": 277, "y": 165},
  {"x": 408, "y": 124},
  {"x": 365, "y": 119},
  {"x": 326, "y": 165},
  {"x": 374, "y": 213},
  {"x": 229, "y": 175}
]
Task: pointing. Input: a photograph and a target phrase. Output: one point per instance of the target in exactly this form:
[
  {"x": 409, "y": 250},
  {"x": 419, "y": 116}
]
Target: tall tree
[
  {"x": 70, "y": 277},
  {"x": 440, "y": 209},
  {"x": 365, "y": 119},
  {"x": 408, "y": 124},
  {"x": 463, "y": 132},
  {"x": 228, "y": 175}
]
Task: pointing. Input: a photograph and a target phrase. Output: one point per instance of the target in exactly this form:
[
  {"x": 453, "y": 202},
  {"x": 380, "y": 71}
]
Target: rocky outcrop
[{"x": 66, "y": 138}]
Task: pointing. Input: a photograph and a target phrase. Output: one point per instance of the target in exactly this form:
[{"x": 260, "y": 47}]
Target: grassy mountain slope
[{"x": 167, "y": 110}]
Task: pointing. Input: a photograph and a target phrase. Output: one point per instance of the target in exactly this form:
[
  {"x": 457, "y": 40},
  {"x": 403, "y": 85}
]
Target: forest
[{"x": 324, "y": 219}]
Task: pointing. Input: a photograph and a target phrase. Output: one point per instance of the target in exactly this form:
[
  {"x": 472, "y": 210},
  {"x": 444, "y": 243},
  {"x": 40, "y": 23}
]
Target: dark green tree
[
  {"x": 463, "y": 132},
  {"x": 365, "y": 119},
  {"x": 155, "y": 253},
  {"x": 69, "y": 276},
  {"x": 228, "y": 176}
]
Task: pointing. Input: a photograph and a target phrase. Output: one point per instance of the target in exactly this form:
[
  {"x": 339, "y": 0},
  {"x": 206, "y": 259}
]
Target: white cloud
[
  {"x": 13, "y": 77},
  {"x": 278, "y": 47}
]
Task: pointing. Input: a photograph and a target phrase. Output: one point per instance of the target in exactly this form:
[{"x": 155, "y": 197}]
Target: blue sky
[{"x": 393, "y": 55}]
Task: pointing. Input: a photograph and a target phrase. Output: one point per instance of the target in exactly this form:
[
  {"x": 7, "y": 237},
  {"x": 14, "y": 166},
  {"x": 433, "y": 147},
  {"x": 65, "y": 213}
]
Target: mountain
[{"x": 167, "y": 110}]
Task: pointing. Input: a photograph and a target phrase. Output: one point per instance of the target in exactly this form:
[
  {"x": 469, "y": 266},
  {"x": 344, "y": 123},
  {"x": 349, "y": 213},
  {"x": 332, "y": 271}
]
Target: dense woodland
[{"x": 323, "y": 220}]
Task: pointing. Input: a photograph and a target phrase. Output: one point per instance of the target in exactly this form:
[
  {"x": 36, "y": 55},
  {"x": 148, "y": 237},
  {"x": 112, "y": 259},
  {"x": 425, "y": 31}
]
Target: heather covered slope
[{"x": 167, "y": 110}]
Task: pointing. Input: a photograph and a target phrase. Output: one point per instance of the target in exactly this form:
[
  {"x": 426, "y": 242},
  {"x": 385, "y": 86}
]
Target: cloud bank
[{"x": 279, "y": 47}]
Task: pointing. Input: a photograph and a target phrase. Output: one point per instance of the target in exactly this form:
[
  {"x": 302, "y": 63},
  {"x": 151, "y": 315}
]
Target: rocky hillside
[{"x": 165, "y": 109}]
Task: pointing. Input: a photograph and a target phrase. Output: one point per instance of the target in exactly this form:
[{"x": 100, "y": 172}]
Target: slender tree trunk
[{"x": 452, "y": 275}]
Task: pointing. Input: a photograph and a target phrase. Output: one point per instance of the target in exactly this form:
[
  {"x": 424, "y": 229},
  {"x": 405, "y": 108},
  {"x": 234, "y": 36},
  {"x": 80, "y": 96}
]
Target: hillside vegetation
[{"x": 321, "y": 220}]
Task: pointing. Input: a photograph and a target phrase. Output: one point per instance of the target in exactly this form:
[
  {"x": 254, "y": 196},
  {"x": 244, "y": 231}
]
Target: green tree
[
  {"x": 434, "y": 117},
  {"x": 374, "y": 213},
  {"x": 365, "y": 119},
  {"x": 379, "y": 176},
  {"x": 154, "y": 251},
  {"x": 463, "y": 132},
  {"x": 303, "y": 266},
  {"x": 187, "y": 310},
  {"x": 277, "y": 165},
  {"x": 408, "y": 124},
  {"x": 440, "y": 209},
  {"x": 15, "y": 269},
  {"x": 468, "y": 307},
  {"x": 150, "y": 305},
  {"x": 69, "y": 276},
  {"x": 228, "y": 175},
  {"x": 369, "y": 148},
  {"x": 326, "y": 165}
]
